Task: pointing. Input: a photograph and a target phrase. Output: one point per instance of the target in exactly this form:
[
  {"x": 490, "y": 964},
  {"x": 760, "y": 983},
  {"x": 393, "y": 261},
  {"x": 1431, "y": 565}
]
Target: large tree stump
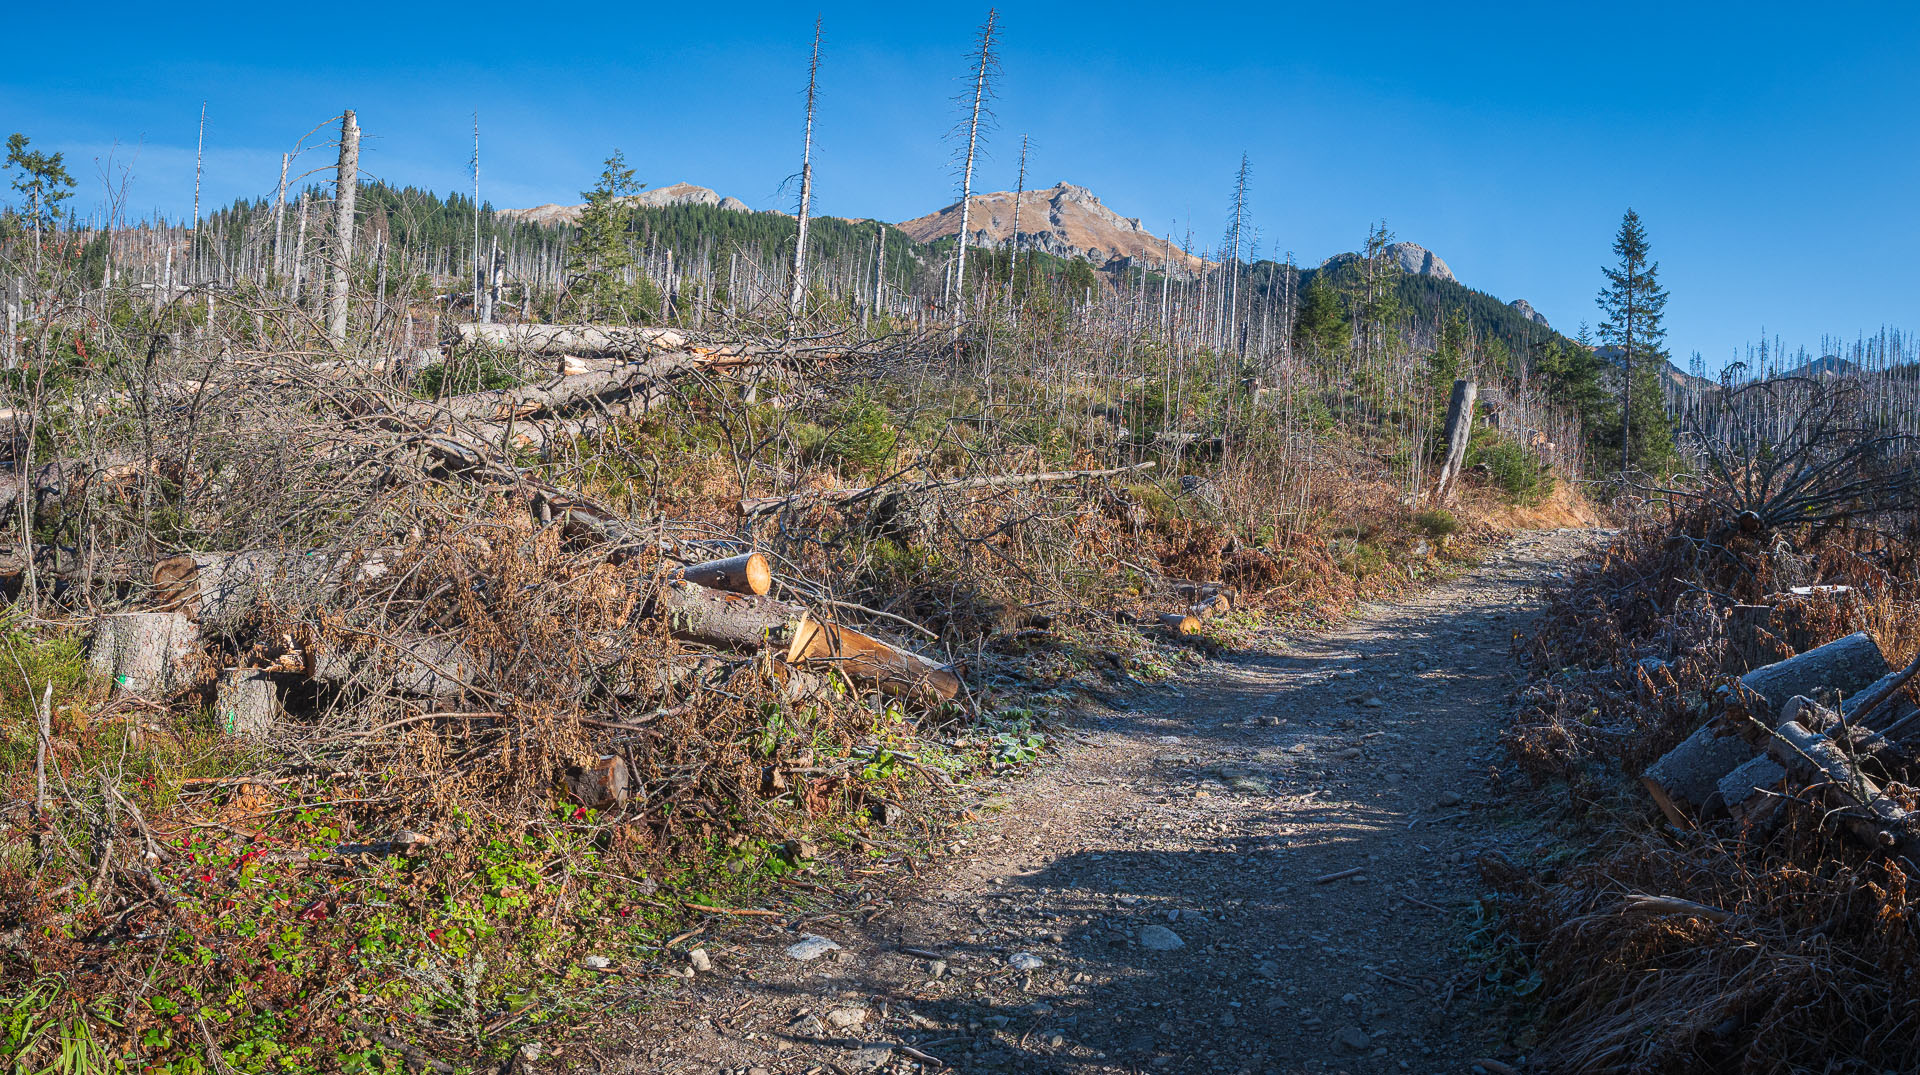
[
  {"x": 602, "y": 783},
  {"x": 143, "y": 652}
]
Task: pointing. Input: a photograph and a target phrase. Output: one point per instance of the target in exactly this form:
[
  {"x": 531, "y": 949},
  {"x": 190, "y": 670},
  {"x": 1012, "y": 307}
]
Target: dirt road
[{"x": 1262, "y": 868}]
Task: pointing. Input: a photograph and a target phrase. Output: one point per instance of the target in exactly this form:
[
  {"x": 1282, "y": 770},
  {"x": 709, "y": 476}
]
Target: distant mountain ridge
[
  {"x": 553, "y": 214},
  {"x": 1065, "y": 219}
]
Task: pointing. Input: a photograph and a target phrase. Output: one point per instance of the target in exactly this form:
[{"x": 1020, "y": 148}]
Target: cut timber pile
[{"x": 1778, "y": 744}]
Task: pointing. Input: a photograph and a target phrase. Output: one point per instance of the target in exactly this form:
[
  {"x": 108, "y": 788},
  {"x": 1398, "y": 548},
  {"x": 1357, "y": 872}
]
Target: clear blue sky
[{"x": 1773, "y": 149}]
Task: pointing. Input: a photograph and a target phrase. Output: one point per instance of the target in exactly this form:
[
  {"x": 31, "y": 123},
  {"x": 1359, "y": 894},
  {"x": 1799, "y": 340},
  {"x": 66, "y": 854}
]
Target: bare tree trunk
[
  {"x": 477, "y": 277},
  {"x": 346, "y": 183},
  {"x": 280, "y": 212},
  {"x": 199, "y": 157},
  {"x": 799, "y": 293},
  {"x": 1458, "y": 430},
  {"x": 299, "y": 253},
  {"x": 986, "y": 62}
]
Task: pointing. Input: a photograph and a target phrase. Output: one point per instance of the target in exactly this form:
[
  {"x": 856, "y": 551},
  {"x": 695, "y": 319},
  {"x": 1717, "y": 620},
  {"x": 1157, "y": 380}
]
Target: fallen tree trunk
[
  {"x": 870, "y": 661},
  {"x": 1207, "y": 608},
  {"x": 1859, "y": 803},
  {"x": 558, "y": 393},
  {"x": 437, "y": 668},
  {"x": 728, "y": 620},
  {"x": 216, "y": 589},
  {"x": 841, "y": 497},
  {"x": 747, "y": 574},
  {"x": 1845, "y": 665},
  {"x": 572, "y": 339},
  {"x": 1687, "y": 781}
]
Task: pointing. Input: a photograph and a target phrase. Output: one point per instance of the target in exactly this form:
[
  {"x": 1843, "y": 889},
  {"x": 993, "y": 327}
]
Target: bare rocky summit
[
  {"x": 1065, "y": 219},
  {"x": 1525, "y": 309},
  {"x": 658, "y": 197}
]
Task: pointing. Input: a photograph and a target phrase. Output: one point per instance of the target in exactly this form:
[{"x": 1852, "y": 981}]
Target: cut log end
[
  {"x": 1181, "y": 623},
  {"x": 749, "y": 574},
  {"x": 870, "y": 661}
]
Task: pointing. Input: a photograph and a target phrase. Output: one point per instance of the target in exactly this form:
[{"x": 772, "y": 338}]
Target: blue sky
[{"x": 1773, "y": 150}]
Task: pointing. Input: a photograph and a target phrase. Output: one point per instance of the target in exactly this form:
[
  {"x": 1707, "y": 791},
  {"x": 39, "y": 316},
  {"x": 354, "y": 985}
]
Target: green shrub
[
  {"x": 862, "y": 438},
  {"x": 1514, "y": 470},
  {"x": 1436, "y": 522}
]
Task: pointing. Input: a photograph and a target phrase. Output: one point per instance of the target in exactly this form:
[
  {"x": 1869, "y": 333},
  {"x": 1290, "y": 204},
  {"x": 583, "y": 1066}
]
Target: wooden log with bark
[
  {"x": 1686, "y": 782},
  {"x": 558, "y": 394},
  {"x": 1180, "y": 623},
  {"x": 728, "y": 620},
  {"x": 1207, "y": 608},
  {"x": 870, "y": 661},
  {"x": 748, "y": 573},
  {"x": 437, "y": 668},
  {"x": 572, "y": 339},
  {"x": 1857, "y": 801}
]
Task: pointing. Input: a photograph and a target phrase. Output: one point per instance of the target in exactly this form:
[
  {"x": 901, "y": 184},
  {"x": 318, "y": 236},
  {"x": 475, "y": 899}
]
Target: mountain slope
[
  {"x": 657, "y": 198},
  {"x": 1065, "y": 220}
]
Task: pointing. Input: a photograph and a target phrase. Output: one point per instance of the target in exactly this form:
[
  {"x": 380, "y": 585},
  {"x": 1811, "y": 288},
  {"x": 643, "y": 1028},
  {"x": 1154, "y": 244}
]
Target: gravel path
[{"x": 1259, "y": 869}]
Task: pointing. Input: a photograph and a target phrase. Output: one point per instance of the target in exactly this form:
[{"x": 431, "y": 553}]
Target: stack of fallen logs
[
  {"x": 189, "y": 635},
  {"x": 1830, "y": 728}
]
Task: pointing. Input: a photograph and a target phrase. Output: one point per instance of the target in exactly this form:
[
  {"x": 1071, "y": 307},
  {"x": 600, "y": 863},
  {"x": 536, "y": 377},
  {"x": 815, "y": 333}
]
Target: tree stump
[
  {"x": 246, "y": 703},
  {"x": 143, "y": 652}
]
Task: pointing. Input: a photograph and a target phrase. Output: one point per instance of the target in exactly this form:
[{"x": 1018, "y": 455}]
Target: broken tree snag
[
  {"x": 1459, "y": 430},
  {"x": 1868, "y": 813},
  {"x": 1180, "y": 623},
  {"x": 245, "y": 702},
  {"x": 728, "y": 620},
  {"x": 1685, "y": 781},
  {"x": 599, "y": 784},
  {"x": 572, "y": 339},
  {"x": 143, "y": 653},
  {"x": 748, "y": 574},
  {"x": 870, "y": 661}
]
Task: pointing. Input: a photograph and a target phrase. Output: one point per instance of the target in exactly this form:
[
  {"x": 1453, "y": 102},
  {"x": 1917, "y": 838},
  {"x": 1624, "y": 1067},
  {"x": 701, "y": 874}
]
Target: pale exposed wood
[
  {"x": 870, "y": 661},
  {"x": 1180, "y": 623},
  {"x": 346, "y": 182},
  {"x": 1639, "y": 903},
  {"x": 747, "y": 574},
  {"x": 1207, "y": 608}
]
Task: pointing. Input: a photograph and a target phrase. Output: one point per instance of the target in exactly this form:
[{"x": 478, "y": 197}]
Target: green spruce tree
[
  {"x": 596, "y": 271},
  {"x": 1634, "y": 304}
]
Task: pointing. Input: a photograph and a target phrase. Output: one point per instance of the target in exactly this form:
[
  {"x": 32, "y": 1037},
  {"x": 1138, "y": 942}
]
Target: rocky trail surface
[{"x": 1261, "y": 868}]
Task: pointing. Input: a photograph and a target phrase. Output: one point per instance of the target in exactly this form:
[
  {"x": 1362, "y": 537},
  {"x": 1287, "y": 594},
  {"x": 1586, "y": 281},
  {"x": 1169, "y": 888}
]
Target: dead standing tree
[
  {"x": 346, "y": 184},
  {"x": 799, "y": 294},
  {"x": 987, "y": 63}
]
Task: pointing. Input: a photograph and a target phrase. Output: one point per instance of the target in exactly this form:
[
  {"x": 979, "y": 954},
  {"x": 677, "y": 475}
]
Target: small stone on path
[
  {"x": 811, "y": 946},
  {"x": 1159, "y": 938}
]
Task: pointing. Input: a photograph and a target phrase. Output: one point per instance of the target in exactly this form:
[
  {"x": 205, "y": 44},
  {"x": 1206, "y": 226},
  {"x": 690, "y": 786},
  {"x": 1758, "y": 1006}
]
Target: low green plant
[{"x": 1436, "y": 522}]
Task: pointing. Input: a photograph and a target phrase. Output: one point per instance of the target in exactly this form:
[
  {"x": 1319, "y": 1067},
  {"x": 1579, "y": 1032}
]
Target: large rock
[{"x": 1525, "y": 309}]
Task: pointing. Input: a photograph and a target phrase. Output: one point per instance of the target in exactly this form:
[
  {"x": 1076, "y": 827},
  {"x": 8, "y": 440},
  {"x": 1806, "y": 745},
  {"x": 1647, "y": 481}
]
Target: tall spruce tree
[
  {"x": 1634, "y": 304},
  {"x": 600, "y": 259}
]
